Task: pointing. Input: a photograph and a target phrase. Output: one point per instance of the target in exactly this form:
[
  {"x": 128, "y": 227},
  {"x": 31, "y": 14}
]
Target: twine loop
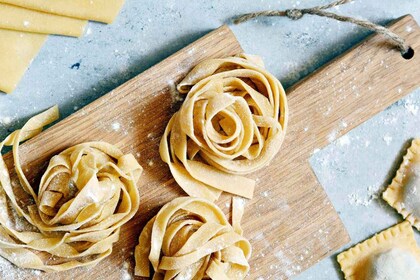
[{"x": 296, "y": 14}]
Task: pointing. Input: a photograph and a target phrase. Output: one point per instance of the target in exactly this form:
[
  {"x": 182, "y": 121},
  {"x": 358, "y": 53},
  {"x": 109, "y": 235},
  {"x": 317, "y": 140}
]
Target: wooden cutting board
[{"x": 290, "y": 222}]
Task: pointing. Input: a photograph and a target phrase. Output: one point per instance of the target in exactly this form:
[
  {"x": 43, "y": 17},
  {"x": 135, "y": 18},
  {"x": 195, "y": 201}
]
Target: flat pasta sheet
[
  {"x": 96, "y": 10},
  {"x": 17, "y": 51},
  {"x": 25, "y": 20}
]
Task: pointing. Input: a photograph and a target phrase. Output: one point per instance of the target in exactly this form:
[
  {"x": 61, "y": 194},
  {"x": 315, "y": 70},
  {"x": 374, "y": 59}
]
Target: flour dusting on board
[
  {"x": 175, "y": 95},
  {"x": 286, "y": 264},
  {"x": 116, "y": 126},
  {"x": 126, "y": 275},
  {"x": 10, "y": 271}
]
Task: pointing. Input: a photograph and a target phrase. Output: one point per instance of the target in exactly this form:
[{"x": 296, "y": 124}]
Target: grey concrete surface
[{"x": 352, "y": 169}]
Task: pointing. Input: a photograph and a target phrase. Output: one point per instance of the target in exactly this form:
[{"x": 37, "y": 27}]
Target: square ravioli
[
  {"x": 390, "y": 254},
  {"x": 403, "y": 193}
]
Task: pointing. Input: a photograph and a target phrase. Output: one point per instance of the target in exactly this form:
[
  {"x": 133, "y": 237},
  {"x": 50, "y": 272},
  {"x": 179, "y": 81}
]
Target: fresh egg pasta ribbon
[
  {"x": 232, "y": 123},
  {"x": 86, "y": 194},
  {"x": 190, "y": 238}
]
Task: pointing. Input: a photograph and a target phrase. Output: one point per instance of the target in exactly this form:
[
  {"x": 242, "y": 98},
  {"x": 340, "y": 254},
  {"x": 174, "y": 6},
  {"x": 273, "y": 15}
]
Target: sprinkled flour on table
[
  {"x": 411, "y": 107},
  {"x": 387, "y": 139},
  {"x": 373, "y": 193},
  {"x": 6, "y": 120},
  {"x": 344, "y": 140}
]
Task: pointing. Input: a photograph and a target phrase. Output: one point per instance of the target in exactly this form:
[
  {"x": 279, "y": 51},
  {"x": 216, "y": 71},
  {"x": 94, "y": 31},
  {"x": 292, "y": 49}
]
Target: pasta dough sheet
[
  {"x": 20, "y": 19},
  {"x": 97, "y": 10},
  {"x": 17, "y": 50}
]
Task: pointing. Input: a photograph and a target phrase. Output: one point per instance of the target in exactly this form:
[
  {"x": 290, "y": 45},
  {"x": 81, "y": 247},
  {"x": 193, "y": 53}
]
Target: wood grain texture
[{"x": 290, "y": 222}]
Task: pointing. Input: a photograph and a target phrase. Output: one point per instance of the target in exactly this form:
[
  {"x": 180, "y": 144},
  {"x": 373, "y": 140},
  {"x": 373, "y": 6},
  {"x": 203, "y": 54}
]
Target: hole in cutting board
[{"x": 409, "y": 54}]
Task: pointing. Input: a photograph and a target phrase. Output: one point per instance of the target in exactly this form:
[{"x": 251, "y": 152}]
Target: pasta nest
[
  {"x": 232, "y": 123},
  {"x": 190, "y": 238},
  {"x": 85, "y": 195}
]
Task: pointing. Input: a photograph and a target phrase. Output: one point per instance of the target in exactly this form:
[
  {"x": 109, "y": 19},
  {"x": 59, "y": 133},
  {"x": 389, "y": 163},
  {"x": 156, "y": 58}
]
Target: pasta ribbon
[
  {"x": 232, "y": 123},
  {"x": 190, "y": 238},
  {"x": 86, "y": 194}
]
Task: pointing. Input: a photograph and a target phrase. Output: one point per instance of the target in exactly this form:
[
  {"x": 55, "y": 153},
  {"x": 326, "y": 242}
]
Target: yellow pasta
[
  {"x": 190, "y": 238},
  {"x": 231, "y": 123},
  {"x": 390, "y": 254},
  {"x": 86, "y": 194},
  {"x": 403, "y": 193}
]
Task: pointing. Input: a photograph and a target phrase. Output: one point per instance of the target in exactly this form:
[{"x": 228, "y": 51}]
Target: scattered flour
[
  {"x": 125, "y": 273},
  {"x": 344, "y": 140},
  {"x": 116, "y": 126},
  {"x": 332, "y": 136},
  {"x": 326, "y": 113},
  {"x": 408, "y": 28},
  {"x": 373, "y": 193},
  {"x": 5, "y": 120},
  {"x": 175, "y": 95},
  {"x": 387, "y": 139},
  {"x": 286, "y": 265},
  {"x": 9, "y": 271},
  {"x": 411, "y": 107},
  {"x": 265, "y": 194},
  {"x": 259, "y": 236}
]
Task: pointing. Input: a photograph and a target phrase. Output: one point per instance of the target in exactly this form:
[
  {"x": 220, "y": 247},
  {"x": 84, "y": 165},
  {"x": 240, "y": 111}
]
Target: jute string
[{"x": 296, "y": 14}]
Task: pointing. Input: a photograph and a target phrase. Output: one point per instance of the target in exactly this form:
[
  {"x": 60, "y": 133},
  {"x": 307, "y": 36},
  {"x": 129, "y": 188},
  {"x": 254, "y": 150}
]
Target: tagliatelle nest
[
  {"x": 190, "y": 238},
  {"x": 86, "y": 194},
  {"x": 232, "y": 123}
]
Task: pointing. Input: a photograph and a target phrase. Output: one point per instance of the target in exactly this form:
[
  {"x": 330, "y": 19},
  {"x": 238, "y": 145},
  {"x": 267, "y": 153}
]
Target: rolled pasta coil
[{"x": 232, "y": 123}]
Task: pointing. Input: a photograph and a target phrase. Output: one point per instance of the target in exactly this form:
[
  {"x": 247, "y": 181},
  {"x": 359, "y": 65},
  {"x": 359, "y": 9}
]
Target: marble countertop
[{"x": 353, "y": 170}]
